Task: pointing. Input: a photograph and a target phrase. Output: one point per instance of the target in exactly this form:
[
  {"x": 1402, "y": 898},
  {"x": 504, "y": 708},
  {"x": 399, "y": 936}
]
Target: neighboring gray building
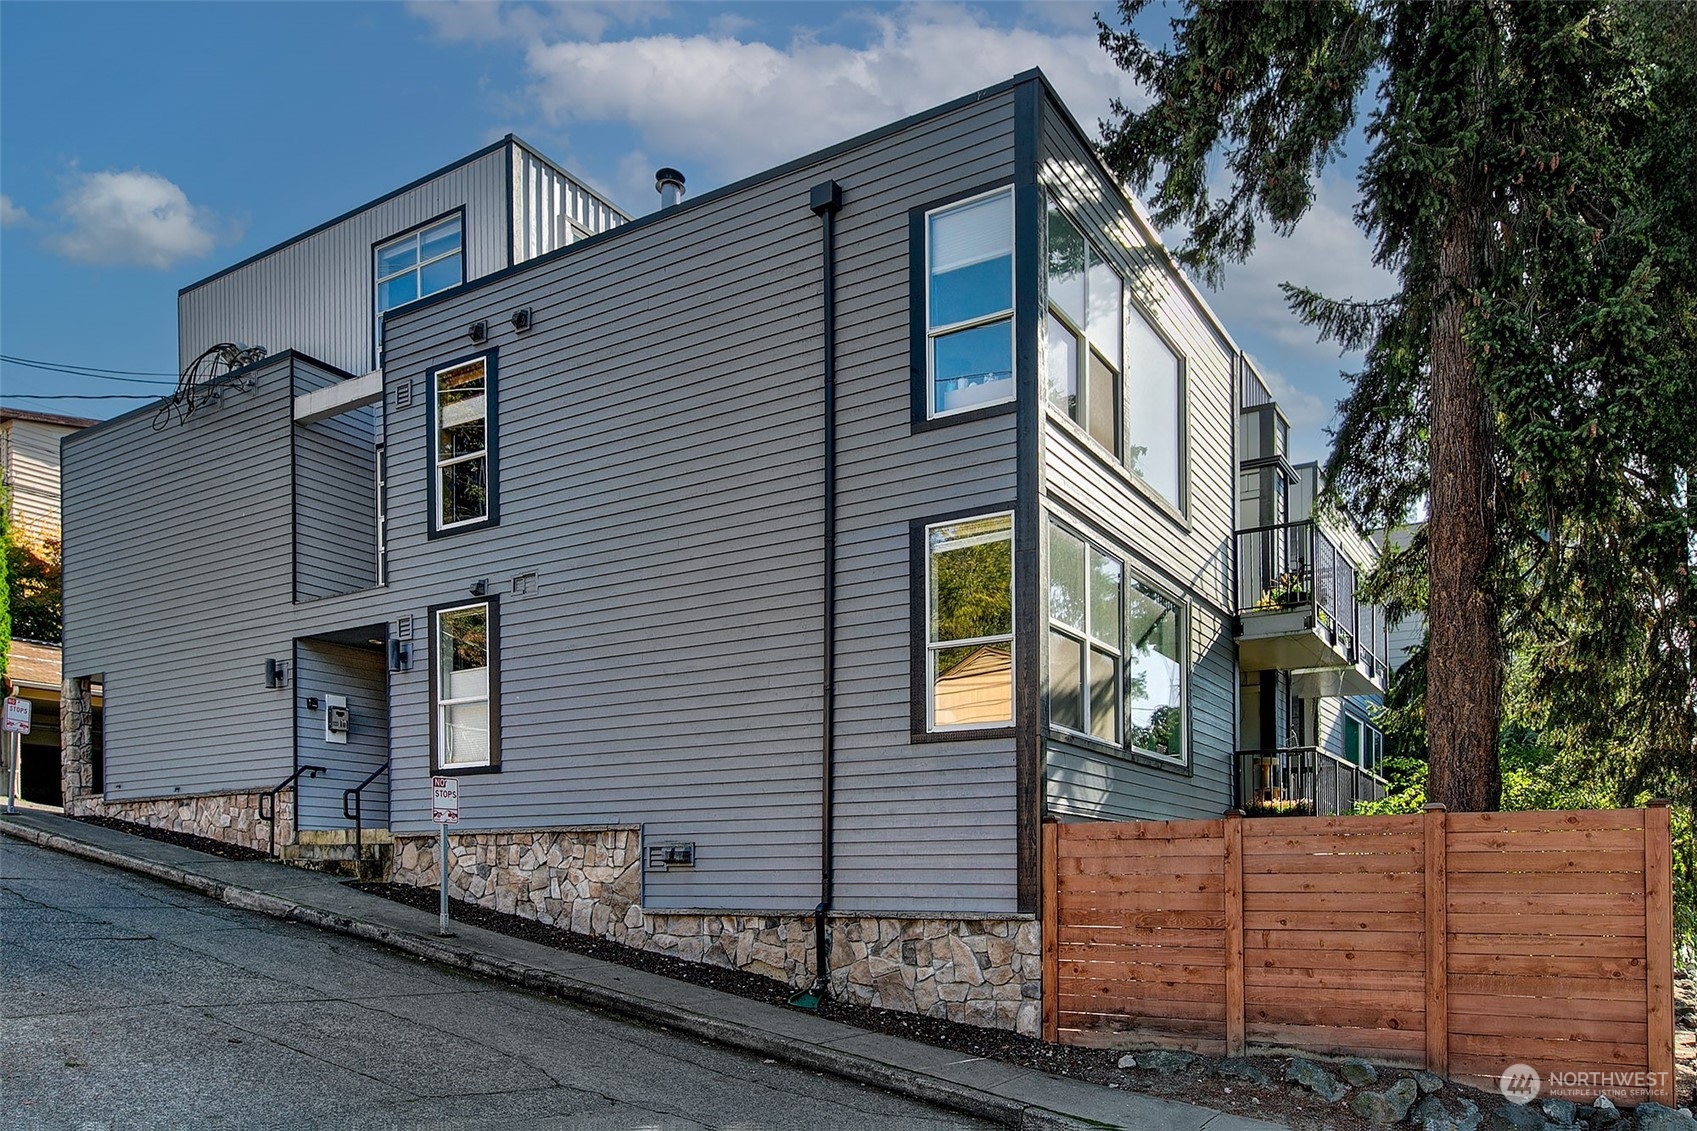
[{"x": 805, "y": 543}]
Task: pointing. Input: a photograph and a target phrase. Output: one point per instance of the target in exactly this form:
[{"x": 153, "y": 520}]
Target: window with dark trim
[
  {"x": 969, "y": 325},
  {"x": 969, "y": 626},
  {"x": 465, "y": 687},
  {"x": 1117, "y": 653},
  {"x": 422, "y": 262},
  {"x": 1107, "y": 368},
  {"x": 462, "y": 444}
]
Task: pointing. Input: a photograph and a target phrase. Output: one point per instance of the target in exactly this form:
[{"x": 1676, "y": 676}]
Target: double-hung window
[
  {"x": 417, "y": 264},
  {"x": 969, "y": 661},
  {"x": 464, "y": 687},
  {"x": 1116, "y": 651},
  {"x": 1107, "y": 369},
  {"x": 462, "y": 427},
  {"x": 969, "y": 304}
]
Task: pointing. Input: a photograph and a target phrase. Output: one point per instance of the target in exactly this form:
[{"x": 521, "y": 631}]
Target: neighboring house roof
[
  {"x": 46, "y": 418},
  {"x": 34, "y": 665}
]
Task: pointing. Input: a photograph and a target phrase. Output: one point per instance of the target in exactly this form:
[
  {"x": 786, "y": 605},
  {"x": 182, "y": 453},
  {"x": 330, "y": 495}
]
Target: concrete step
[{"x": 333, "y": 851}]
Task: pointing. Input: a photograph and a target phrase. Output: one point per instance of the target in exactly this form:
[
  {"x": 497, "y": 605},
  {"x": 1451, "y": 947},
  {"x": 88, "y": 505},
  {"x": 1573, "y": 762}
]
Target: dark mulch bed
[
  {"x": 1198, "y": 1083},
  {"x": 185, "y": 840}
]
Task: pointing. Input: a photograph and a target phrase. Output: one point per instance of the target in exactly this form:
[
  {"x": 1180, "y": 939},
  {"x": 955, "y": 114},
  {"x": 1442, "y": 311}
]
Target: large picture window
[
  {"x": 969, "y": 660},
  {"x": 969, "y": 304},
  {"x": 1116, "y": 651},
  {"x": 1107, "y": 369},
  {"x": 462, "y": 428},
  {"x": 464, "y": 687}
]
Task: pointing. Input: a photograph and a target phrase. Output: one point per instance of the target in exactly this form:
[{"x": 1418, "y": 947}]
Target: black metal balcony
[
  {"x": 1301, "y": 781},
  {"x": 1297, "y": 609}
]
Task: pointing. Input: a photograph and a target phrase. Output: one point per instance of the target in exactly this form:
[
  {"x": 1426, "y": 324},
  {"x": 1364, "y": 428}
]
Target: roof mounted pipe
[{"x": 669, "y": 183}]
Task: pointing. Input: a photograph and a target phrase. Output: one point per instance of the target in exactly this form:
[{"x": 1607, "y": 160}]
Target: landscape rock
[
  {"x": 1242, "y": 1068},
  {"x": 1559, "y": 1111},
  {"x": 1429, "y": 1082},
  {"x": 1389, "y": 1105},
  {"x": 1359, "y": 1072},
  {"x": 1604, "y": 1113},
  {"x": 1516, "y": 1117},
  {"x": 1165, "y": 1061},
  {"x": 1316, "y": 1079},
  {"x": 1656, "y": 1117},
  {"x": 1431, "y": 1115},
  {"x": 1128, "y": 1061}
]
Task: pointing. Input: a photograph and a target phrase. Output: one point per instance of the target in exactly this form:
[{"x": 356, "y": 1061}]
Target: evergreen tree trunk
[{"x": 1464, "y": 666}]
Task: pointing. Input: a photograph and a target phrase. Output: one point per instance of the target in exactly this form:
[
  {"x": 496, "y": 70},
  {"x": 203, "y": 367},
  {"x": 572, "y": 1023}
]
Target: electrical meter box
[{"x": 336, "y": 718}]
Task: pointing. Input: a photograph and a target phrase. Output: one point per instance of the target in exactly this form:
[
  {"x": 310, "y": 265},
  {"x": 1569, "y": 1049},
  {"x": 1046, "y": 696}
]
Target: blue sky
[{"x": 146, "y": 145}]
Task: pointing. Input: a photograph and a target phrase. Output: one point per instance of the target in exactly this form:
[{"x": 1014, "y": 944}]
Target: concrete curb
[{"x": 850, "y": 1066}]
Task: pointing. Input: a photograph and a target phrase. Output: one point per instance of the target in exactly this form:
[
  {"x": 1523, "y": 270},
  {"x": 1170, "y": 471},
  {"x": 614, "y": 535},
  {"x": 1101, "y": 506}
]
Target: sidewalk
[{"x": 1016, "y": 1097}]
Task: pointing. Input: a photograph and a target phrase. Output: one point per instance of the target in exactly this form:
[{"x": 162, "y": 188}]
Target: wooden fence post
[
  {"x": 1234, "y": 932},
  {"x": 1437, "y": 942},
  {"x": 1658, "y": 943},
  {"x": 1051, "y": 929}
]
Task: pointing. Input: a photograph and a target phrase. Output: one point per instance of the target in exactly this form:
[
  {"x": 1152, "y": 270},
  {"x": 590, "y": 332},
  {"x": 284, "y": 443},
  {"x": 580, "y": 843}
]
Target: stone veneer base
[
  {"x": 229, "y": 817},
  {"x": 979, "y": 971}
]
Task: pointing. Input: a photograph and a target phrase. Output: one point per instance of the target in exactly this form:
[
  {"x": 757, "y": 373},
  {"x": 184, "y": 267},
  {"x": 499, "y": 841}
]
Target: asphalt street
[{"x": 132, "y": 1004}]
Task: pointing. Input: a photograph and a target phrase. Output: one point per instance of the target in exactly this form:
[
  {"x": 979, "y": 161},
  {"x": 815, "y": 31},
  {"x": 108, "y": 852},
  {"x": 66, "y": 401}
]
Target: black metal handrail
[
  {"x": 353, "y": 796},
  {"x": 1294, "y": 565},
  {"x": 270, "y": 815}
]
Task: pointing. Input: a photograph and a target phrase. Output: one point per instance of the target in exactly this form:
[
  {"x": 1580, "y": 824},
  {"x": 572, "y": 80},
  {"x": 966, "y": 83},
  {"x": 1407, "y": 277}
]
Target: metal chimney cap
[{"x": 667, "y": 176}]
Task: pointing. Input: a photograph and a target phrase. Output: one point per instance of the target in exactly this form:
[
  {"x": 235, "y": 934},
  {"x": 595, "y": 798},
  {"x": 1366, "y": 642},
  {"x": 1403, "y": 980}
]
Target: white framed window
[
  {"x": 1118, "y": 661},
  {"x": 969, "y": 656},
  {"x": 462, "y": 428},
  {"x": 419, "y": 263},
  {"x": 1107, "y": 368},
  {"x": 463, "y": 687},
  {"x": 969, "y": 304}
]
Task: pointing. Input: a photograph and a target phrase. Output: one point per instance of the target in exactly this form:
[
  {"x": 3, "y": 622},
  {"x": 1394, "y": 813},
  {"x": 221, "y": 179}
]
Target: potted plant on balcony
[
  {"x": 1279, "y": 807},
  {"x": 1286, "y": 591}
]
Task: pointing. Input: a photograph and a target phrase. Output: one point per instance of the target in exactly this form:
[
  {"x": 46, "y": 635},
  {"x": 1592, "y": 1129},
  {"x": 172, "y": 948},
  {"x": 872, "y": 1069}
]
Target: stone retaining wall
[
  {"x": 229, "y": 817},
  {"x": 984, "y": 972}
]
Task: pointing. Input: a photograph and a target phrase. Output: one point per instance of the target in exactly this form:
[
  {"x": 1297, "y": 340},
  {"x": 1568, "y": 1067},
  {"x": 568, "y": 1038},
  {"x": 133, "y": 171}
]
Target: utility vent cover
[
  {"x": 663, "y": 857},
  {"x": 403, "y": 394},
  {"x": 403, "y": 627}
]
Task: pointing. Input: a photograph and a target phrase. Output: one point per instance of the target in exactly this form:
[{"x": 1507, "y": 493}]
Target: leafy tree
[
  {"x": 34, "y": 569},
  {"x": 1529, "y": 378}
]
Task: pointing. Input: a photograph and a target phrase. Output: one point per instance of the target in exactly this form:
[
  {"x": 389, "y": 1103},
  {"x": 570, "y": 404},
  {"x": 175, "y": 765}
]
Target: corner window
[
  {"x": 417, "y": 264},
  {"x": 463, "y": 687},
  {"x": 969, "y": 623},
  {"x": 462, "y": 457},
  {"x": 1363, "y": 744},
  {"x": 1116, "y": 651},
  {"x": 1107, "y": 369},
  {"x": 969, "y": 304}
]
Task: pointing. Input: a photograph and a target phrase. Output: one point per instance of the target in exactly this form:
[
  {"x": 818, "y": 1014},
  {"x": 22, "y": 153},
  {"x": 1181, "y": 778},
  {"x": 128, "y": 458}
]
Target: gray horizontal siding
[
  {"x": 1192, "y": 556},
  {"x": 315, "y": 295},
  {"x": 660, "y": 472},
  {"x": 323, "y": 669},
  {"x": 335, "y": 476},
  {"x": 177, "y": 588}
]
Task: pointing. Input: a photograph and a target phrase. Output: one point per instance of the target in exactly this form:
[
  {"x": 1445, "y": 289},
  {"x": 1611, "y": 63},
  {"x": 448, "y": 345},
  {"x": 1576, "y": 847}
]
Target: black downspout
[{"x": 825, "y": 201}]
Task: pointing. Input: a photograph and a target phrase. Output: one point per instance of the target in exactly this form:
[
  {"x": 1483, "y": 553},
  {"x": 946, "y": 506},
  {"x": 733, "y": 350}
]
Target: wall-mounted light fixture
[
  {"x": 276, "y": 673},
  {"x": 521, "y": 319},
  {"x": 478, "y": 331},
  {"x": 400, "y": 656},
  {"x": 479, "y": 587}
]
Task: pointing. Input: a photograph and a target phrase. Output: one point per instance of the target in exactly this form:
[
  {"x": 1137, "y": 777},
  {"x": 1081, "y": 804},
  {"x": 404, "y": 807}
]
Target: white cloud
[
  {"x": 11, "y": 214},
  {"x": 1306, "y": 412},
  {"x": 1327, "y": 252},
  {"x": 134, "y": 218},
  {"x": 722, "y": 107}
]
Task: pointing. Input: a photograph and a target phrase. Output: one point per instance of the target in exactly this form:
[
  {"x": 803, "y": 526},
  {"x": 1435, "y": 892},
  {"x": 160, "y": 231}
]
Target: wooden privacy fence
[{"x": 1459, "y": 942}]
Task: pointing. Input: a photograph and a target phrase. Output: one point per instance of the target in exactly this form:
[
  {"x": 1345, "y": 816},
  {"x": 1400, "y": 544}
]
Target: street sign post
[
  {"x": 445, "y": 811},
  {"x": 14, "y": 722}
]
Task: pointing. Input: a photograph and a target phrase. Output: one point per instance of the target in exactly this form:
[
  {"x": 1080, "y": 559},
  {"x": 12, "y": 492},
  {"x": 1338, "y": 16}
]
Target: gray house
[{"x": 796, "y": 548}]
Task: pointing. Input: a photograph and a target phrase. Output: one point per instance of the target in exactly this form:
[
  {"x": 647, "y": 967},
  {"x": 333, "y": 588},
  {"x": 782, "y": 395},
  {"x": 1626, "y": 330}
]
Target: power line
[
  {"x": 80, "y": 397},
  {"x": 124, "y": 376}
]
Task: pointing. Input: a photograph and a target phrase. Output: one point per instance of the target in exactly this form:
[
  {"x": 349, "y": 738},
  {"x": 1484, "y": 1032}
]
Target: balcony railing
[
  {"x": 1302, "y": 781},
  {"x": 1294, "y": 566}
]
